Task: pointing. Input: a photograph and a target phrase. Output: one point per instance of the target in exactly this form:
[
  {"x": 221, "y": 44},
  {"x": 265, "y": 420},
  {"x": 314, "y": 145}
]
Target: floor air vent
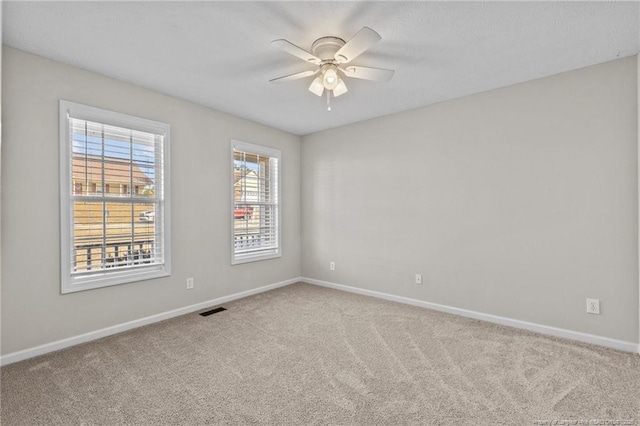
[{"x": 212, "y": 311}]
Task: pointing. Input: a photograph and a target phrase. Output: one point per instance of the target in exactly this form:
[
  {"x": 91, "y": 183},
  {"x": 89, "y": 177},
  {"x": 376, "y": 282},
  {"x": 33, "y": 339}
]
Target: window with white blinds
[
  {"x": 114, "y": 198},
  {"x": 256, "y": 202}
]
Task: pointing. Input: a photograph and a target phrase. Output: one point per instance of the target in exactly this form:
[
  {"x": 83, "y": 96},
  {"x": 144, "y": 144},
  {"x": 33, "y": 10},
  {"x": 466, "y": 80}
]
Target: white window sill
[
  {"x": 73, "y": 284},
  {"x": 240, "y": 259}
]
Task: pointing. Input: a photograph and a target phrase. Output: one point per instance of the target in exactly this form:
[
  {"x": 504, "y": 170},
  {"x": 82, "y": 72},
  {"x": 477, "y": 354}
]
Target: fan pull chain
[{"x": 328, "y": 100}]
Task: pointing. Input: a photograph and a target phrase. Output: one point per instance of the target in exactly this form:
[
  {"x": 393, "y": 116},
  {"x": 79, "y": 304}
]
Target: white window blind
[
  {"x": 256, "y": 202},
  {"x": 114, "y": 198}
]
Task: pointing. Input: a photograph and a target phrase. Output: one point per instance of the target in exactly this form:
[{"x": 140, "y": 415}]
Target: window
[
  {"x": 256, "y": 198},
  {"x": 107, "y": 238}
]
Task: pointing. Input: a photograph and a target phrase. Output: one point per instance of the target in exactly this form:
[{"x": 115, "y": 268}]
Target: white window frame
[
  {"x": 237, "y": 145},
  {"x": 72, "y": 283}
]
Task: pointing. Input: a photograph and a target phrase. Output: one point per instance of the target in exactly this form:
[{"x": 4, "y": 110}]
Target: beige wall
[
  {"x": 1, "y": 47},
  {"x": 519, "y": 202},
  {"x": 33, "y": 311}
]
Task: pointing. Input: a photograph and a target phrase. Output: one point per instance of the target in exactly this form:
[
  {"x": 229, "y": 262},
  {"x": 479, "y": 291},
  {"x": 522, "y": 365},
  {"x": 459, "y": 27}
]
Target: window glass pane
[
  {"x": 119, "y": 223},
  {"x": 88, "y": 227},
  {"x": 118, "y": 164},
  {"x": 127, "y": 237},
  {"x": 86, "y": 174},
  {"x": 146, "y": 234},
  {"x": 255, "y": 209}
]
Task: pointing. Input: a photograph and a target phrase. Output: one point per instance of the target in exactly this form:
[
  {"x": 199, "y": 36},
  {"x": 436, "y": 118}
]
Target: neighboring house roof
[
  {"x": 238, "y": 175},
  {"x": 117, "y": 170}
]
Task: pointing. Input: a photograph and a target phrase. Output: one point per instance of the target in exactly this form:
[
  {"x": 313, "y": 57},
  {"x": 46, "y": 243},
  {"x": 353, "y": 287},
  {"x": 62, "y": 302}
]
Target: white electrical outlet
[
  {"x": 593, "y": 306},
  {"x": 190, "y": 283},
  {"x": 332, "y": 266},
  {"x": 418, "y": 278}
]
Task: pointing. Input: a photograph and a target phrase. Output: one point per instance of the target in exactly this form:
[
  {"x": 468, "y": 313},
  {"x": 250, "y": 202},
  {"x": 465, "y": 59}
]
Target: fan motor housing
[{"x": 325, "y": 48}]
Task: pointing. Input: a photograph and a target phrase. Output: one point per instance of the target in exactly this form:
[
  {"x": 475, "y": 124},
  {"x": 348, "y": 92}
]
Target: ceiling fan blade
[
  {"x": 366, "y": 73},
  {"x": 340, "y": 89},
  {"x": 364, "y": 39},
  {"x": 296, "y": 76},
  {"x": 296, "y": 51}
]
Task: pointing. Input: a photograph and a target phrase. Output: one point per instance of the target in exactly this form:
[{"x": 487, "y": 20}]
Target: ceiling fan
[{"x": 331, "y": 55}]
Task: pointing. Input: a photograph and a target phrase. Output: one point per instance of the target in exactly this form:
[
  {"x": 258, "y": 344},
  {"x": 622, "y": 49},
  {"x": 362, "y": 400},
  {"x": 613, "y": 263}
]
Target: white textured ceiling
[{"x": 218, "y": 54}]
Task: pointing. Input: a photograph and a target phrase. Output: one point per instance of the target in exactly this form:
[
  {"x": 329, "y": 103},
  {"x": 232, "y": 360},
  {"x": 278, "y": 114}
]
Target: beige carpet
[{"x": 308, "y": 355}]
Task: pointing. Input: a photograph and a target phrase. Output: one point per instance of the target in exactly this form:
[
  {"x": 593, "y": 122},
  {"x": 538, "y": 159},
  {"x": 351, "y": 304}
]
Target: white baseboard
[
  {"x": 93, "y": 335},
  {"x": 539, "y": 328}
]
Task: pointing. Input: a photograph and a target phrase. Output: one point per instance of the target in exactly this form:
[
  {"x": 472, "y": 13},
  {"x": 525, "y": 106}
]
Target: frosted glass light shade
[
  {"x": 316, "y": 87},
  {"x": 330, "y": 79},
  {"x": 340, "y": 88}
]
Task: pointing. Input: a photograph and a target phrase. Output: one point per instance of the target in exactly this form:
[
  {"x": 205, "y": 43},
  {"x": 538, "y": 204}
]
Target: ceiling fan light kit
[{"x": 329, "y": 54}]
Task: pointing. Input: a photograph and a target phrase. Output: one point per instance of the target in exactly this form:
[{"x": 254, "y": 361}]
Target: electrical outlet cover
[{"x": 593, "y": 306}]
